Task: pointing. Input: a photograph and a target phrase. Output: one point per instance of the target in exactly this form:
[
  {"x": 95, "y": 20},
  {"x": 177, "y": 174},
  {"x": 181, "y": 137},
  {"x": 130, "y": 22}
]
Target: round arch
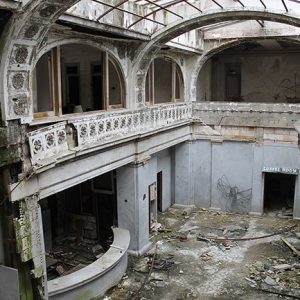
[
  {"x": 212, "y": 52},
  {"x": 178, "y": 69},
  {"x": 113, "y": 64},
  {"x": 22, "y": 39},
  {"x": 149, "y": 50}
]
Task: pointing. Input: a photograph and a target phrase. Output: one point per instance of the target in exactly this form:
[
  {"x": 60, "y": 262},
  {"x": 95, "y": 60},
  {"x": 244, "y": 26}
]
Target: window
[
  {"x": 164, "y": 82},
  {"x": 76, "y": 78}
]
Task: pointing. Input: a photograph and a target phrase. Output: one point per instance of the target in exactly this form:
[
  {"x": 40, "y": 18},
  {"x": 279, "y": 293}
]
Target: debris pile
[
  {"x": 69, "y": 256},
  {"x": 275, "y": 271}
]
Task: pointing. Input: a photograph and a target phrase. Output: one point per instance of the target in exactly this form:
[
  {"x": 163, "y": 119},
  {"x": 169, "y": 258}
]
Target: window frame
[
  {"x": 150, "y": 83},
  {"x": 57, "y": 86}
]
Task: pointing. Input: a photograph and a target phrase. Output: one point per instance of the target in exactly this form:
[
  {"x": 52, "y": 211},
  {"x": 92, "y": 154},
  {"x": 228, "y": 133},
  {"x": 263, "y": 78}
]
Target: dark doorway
[
  {"x": 159, "y": 191},
  {"x": 279, "y": 191}
]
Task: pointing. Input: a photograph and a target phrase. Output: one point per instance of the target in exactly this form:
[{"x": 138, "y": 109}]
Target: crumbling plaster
[{"x": 25, "y": 33}]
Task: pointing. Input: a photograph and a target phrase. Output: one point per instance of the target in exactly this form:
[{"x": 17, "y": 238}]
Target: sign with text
[{"x": 293, "y": 171}]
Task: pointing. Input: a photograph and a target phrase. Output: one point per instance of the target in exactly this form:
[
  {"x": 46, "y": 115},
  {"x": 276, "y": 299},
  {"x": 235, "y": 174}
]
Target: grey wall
[
  {"x": 184, "y": 155},
  {"x": 231, "y": 165},
  {"x": 205, "y": 171},
  {"x": 202, "y": 173}
]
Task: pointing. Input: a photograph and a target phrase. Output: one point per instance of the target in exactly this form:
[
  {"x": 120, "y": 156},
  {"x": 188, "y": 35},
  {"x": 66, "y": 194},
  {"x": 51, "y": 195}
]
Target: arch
[
  {"x": 105, "y": 59},
  {"x": 175, "y": 59},
  {"x": 204, "y": 58},
  {"x": 149, "y": 50},
  {"x": 200, "y": 62},
  {"x": 22, "y": 39}
]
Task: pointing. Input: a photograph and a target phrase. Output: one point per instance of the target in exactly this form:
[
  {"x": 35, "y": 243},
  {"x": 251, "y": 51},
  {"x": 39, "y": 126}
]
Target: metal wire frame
[
  {"x": 153, "y": 12},
  {"x": 112, "y": 7},
  {"x": 145, "y": 17},
  {"x": 165, "y": 7}
]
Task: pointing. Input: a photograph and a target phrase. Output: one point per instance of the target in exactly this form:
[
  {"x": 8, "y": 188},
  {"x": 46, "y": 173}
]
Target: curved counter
[{"x": 96, "y": 278}]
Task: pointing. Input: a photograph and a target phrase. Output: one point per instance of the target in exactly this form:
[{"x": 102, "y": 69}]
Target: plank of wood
[{"x": 295, "y": 251}]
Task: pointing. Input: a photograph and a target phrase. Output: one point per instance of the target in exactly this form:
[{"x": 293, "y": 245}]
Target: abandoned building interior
[{"x": 115, "y": 111}]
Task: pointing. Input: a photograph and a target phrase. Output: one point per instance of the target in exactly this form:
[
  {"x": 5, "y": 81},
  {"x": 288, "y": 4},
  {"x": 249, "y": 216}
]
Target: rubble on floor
[
  {"x": 180, "y": 266},
  {"x": 69, "y": 256}
]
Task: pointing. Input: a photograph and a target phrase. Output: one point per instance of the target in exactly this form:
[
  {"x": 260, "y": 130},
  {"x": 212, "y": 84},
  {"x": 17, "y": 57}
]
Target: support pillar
[
  {"x": 30, "y": 243},
  {"x": 133, "y": 183},
  {"x": 184, "y": 190}
]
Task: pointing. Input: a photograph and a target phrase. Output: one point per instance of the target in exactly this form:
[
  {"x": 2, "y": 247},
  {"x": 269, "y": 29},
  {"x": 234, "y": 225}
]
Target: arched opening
[
  {"x": 164, "y": 82},
  {"x": 265, "y": 71},
  {"x": 76, "y": 78}
]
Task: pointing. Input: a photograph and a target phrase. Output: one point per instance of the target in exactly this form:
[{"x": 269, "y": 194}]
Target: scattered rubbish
[
  {"x": 162, "y": 264},
  {"x": 251, "y": 282},
  {"x": 187, "y": 211},
  {"x": 270, "y": 281},
  {"x": 295, "y": 251},
  {"x": 183, "y": 238},
  {"x": 232, "y": 229},
  {"x": 136, "y": 294},
  {"x": 187, "y": 228},
  {"x": 205, "y": 256},
  {"x": 69, "y": 256},
  {"x": 60, "y": 269},
  {"x": 155, "y": 226},
  {"x": 211, "y": 238},
  {"x": 279, "y": 294},
  {"x": 282, "y": 267}
]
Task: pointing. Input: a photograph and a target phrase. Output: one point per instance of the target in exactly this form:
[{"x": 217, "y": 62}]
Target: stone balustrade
[
  {"x": 47, "y": 142},
  {"x": 99, "y": 128},
  {"x": 95, "y": 129},
  {"x": 110, "y": 126}
]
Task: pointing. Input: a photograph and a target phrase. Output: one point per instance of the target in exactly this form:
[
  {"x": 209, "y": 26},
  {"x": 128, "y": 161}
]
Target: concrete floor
[{"x": 186, "y": 268}]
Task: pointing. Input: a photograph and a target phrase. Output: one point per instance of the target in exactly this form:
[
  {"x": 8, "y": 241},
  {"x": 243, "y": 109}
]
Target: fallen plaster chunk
[
  {"x": 282, "y": 267},
  {"x": 270, "y": 281}
]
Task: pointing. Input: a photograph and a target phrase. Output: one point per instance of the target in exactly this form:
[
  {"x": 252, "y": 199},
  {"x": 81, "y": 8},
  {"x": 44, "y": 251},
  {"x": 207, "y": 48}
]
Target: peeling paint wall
[{"x": 264, "y": 77}]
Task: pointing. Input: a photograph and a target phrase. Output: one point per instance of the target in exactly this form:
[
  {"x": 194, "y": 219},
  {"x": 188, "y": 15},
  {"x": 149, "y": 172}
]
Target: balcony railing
[
  {"x": 47, "y": 142},
  {"x": 107, "y": 127},
  {"x": 51, "y": 141},
  {"x": 96, "y": 129}
]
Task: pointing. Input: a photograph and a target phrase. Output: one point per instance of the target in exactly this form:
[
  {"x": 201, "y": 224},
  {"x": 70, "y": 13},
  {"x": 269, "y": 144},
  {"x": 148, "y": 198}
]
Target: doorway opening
[
  {"x": 159, "y": 191},
  {"x": 279, "y": 193}
]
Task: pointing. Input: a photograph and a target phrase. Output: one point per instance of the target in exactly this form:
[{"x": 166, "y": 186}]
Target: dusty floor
[{"x": 188, "y": 268}]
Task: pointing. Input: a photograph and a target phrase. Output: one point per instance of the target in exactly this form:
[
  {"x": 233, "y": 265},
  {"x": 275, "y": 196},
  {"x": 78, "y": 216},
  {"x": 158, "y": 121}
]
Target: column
[{"x": 133, "y": 183}]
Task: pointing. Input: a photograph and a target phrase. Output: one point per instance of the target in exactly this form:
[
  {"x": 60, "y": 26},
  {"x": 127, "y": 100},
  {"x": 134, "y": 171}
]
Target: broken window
[
  {"x": 164, "y": 82},
  {"x": 74, "y": 79}
]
